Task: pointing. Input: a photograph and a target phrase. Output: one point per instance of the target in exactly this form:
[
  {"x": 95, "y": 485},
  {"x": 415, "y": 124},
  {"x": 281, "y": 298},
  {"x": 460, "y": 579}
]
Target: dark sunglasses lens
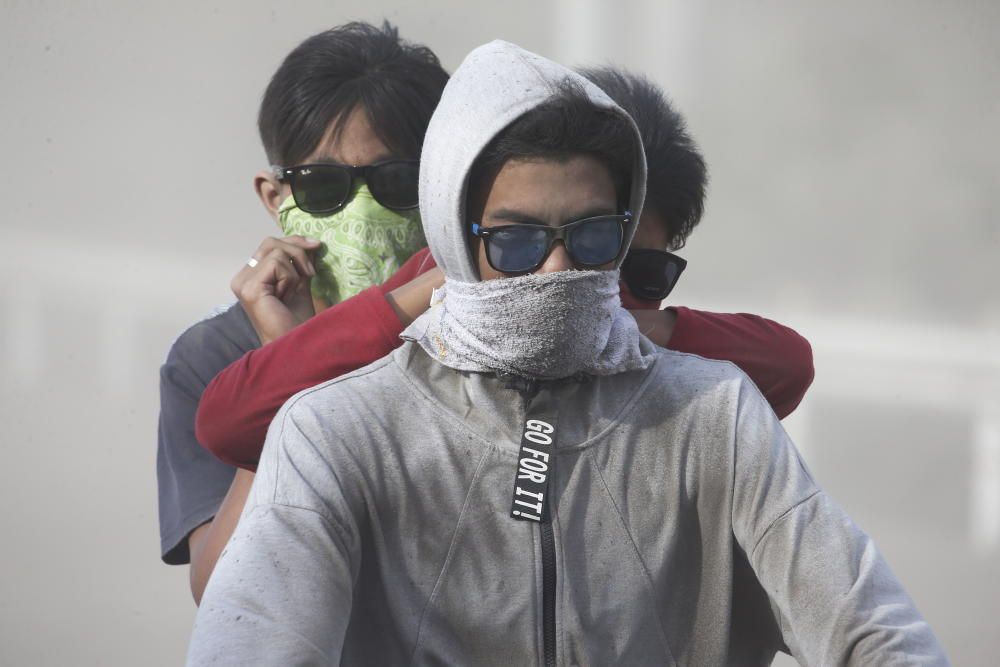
[
  {"x": 596, "y": 242},
  {"x": 394, "y": 184},
  {"x": 321, "y": 189},
  {"x": 651, "y": 275},
  {"x": 516, "y": 249}
]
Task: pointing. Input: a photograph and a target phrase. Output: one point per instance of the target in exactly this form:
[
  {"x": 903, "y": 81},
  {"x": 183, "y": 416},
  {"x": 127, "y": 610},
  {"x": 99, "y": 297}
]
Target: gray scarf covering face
[{"x": 539, "y": 326}]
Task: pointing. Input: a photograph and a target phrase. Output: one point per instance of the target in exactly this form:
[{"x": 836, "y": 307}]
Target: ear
[{"x": 270, "y": 191}]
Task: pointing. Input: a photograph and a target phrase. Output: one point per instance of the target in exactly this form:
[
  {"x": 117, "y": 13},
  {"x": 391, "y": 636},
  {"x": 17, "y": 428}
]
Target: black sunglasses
[
  {"x": 325, "y": 188},
  {"x": 651, "y": 274},
  {"x": 523, "y": 248}
]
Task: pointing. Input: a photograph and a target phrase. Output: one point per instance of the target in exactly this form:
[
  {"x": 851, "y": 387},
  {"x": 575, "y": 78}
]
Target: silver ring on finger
[{"x": 252, "y": 262}]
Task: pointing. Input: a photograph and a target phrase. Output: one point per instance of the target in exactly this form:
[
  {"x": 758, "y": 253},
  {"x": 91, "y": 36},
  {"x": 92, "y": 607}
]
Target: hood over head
[
  {"x": 541, "y": 326},
  {"x": 495, "y": 85}
]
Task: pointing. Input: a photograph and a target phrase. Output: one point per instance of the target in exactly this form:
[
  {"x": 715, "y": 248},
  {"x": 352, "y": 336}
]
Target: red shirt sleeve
[
  {"x": 239, "y": 403},
  {"x": 775, "y": 357}
]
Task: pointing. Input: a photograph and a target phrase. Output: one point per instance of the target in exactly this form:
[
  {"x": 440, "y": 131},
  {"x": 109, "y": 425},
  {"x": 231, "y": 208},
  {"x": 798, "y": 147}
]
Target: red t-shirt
[{"x": 239, "y": 404}]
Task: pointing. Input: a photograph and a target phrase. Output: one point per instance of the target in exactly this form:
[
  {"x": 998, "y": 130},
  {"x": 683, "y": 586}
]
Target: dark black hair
[
  {"x": 328, "y": 75},
  {"x": 676, "y": 175},
  {"x": 566, "y": 125}
]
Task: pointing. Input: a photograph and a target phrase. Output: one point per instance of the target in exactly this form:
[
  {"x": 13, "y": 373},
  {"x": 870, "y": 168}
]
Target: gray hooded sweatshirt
[{"x": 685, "y": 529}]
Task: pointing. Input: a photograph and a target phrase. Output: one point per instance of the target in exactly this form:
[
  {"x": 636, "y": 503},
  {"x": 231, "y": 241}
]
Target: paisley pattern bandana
[{"x": 363, "y": 243}]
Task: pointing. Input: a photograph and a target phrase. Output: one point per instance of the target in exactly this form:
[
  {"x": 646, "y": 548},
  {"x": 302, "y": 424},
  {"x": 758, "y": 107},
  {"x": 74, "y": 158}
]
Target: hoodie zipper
[
  {"x": 529, "y": 390},
  {"x": 548, "y": 593}
]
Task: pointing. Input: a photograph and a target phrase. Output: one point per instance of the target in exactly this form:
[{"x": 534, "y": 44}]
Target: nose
[{"x": 558, "y": 260}]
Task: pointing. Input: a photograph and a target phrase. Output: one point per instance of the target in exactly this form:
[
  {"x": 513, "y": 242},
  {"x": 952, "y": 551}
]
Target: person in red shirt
[{"x": 305, "y": 341}]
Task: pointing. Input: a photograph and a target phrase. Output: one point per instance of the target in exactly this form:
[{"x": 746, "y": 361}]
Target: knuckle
[{"x": 276, "y": 255}]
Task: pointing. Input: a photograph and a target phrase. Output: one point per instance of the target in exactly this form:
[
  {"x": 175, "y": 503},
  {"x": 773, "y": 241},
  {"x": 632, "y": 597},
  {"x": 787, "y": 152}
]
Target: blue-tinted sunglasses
[{"x": 523, "y": 248}]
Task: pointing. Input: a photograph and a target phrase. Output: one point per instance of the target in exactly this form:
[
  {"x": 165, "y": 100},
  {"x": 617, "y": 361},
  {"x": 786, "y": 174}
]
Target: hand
[
  {"x": 275, "y": 293},
  {"x": 656, "y": 325},
  {"x": 409, "y": 301}
]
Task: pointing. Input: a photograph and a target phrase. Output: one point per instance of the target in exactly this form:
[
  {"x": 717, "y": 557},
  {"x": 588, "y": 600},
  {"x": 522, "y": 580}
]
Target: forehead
[
  {"x": 652, "y": 232},
  {"x": 550, "y": 190},
  {"x": 352, "y": 140}
]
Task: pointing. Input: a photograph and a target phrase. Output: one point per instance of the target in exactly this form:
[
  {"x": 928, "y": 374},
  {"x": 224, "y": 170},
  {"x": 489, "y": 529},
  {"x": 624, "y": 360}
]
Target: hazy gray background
[{"x": 853, "y": 150}]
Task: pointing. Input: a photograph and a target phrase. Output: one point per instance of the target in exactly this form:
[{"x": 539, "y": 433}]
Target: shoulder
[
  {"x": 362, "y": 408},
  {"x": 333, "y": 427},
  {"x": 694, "y": 370},
  {"x": 370, "y": 386},
  {"x": 719, "y": 393},
  {"x": 213, "y": 342},
  {"x": 711, "y": 386},
  {"x": 225, "y": 326}
]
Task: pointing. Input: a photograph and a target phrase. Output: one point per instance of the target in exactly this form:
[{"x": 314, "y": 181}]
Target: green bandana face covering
[{"x": 363, "y": 243}]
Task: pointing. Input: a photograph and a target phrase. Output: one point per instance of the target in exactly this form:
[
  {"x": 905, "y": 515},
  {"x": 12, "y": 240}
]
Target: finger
[
  {"x": 246, "y": 272},
  {"x": 306, "y": 242},
  {"x": 244, "y": 275},
  {"x": 298, "y": 262},
  {"x": 278, "y": 266},
  {"x": 290, "y": 257},
  {"x": 300, "y": 258},
  {"x": 265, "y": 247},
  {"x": 274, "y": 275},
  {"x": 283, "y": 278}
]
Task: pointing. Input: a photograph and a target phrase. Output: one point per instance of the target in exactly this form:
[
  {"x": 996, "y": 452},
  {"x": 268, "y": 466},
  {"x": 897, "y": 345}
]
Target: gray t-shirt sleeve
[
  {"x": 836, "y": 599},
  {"x": 191, "y": 481},
  {"x": 258, "y": 608}
]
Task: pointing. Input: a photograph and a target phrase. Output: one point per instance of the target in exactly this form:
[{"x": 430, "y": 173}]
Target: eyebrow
[
  {"x": 382, "y": 157},
  {"x": 513, "y": 215}
]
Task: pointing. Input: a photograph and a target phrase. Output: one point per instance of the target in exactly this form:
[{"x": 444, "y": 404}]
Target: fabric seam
[
  {"x": 448, "y": 557},
  {"x": 638, "y": 557},
  {"x": 780, "y": 518}
]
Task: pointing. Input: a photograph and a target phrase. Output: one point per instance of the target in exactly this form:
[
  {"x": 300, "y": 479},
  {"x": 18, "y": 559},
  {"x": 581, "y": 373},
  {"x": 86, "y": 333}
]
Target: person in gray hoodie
[{"x": 528, "y": 480}]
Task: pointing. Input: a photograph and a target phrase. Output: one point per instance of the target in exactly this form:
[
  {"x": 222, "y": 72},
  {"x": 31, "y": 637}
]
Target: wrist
[
  {"x": 269, "y": 323},
  {"x": 411, "y": 300}
]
